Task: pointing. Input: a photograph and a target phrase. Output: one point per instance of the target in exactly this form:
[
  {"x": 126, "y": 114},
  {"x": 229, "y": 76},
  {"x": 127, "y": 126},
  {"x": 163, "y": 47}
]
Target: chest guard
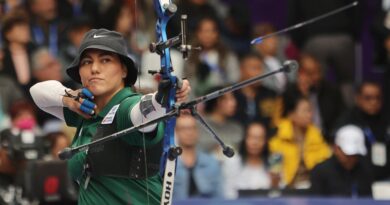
[{"x": 117, "y": 158}]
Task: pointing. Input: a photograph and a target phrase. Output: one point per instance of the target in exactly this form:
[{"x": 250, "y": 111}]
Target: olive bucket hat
[{"x": 106, "y": 40}]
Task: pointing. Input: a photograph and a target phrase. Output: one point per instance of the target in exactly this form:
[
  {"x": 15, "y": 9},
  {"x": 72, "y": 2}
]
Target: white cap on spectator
[{"x": 350, "y": 139}]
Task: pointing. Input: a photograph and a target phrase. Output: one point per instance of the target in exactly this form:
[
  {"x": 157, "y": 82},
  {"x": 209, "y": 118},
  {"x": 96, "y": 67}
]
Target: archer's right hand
[{"x": 80, "y": 102}]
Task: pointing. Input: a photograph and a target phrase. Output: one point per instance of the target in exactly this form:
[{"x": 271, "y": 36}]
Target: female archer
[{"x": 125, "y": 170}]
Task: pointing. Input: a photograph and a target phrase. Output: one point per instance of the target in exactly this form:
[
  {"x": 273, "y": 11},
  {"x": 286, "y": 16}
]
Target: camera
[{"x": 23, "y": 144}]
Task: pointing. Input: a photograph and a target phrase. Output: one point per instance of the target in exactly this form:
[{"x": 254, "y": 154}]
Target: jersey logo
[{"x": 109, "y": 118}]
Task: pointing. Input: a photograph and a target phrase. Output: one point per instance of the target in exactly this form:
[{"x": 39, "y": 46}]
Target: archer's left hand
[{"x": 183, "y": 92}]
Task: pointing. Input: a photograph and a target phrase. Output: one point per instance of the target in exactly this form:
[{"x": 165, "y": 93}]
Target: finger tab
[
  {"x": 85, "y": 92},
  {"x": 86, "y": 110},
  {"x": 88, "y": 104}
]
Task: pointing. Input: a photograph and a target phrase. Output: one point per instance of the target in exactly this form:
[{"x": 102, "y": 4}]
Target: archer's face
[{"x": 102, "y": 72}]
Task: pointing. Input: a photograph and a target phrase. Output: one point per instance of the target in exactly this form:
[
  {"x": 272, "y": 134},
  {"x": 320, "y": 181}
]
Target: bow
[{"x": 165, "y": 9}]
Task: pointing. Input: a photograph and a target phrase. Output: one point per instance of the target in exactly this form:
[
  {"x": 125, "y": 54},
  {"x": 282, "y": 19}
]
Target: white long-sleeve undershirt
[{"x": 48, "y": 96}]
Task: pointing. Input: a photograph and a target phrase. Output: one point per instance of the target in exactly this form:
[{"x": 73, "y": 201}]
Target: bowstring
[{"x": 142, "y": 120}]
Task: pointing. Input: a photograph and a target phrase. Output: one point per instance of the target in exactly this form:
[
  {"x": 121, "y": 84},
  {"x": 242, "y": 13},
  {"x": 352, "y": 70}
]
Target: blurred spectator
[
  {"x": 254, "y": 102},
  {"x": 10, "y": 5},
  {"x": 368, "y": 115},
  {"x": 272, "y": 57},
  {"x": 9, "y": 93},
  {"x": 299, "y": 142},
  {"x": 70, "y": 9},
  {"x": 17, "y": 48},
  {"x": 381, "y": 34},
  {"x": 23, "y": 117},
  {"x": 23, "y": 125},
  {"x": 46, "y": 28},
  {"x": 381, "y": 38},
  {"x": 127, "y": 18},
  {"x": 46, "y": 67},
  {"x": 332, "y": 41},
  {"x": 196, "y": 10},
  {"x": 215, "y": 64},
  {"x": 151, "y": 61},
  {"x": 237, "y": 27},
  {"x": 219, "y": 112},
  {"x": 326, "y": 100},
  {"x": 346, "y": 173},
  {"x": 250, "y": 165},
  {"x": 198, "y": 174},
  {"x": 120, "y": 17},
  {"x": 58, "y": 142},
  {"x": 76, "y": 29}
]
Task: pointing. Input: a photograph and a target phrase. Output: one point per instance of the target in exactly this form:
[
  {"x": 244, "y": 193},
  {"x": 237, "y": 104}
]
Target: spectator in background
[
  {"x": 219, "y": 112},
  {"x": 332, "y": 41},
  {"x": 326, "y": 100},
  {"x": 215, "y": 64},
  {"x": 254, "y": 102},
  {"x": 70, "y": 9},
  {"x": 198, "y": 174},
  {"x": 272, "y": 57},
  {"x": 58, "y": 141},
  {"x": 381, "y": 34},
  {"x": 248, "y": 170},
  {"x": 46, "y": 28},
  {"x": 237, "y": 26},
  {"x": 10, "y": 5},
  {"x": 381, "y": 38},
  {"x": 17, "y": 48},
  {"x": 120, "y": 16},
  {"x": 299, "y": 142},
  {"x": 196, "y": 10},
  {"x": 46, "y": 67},
  {"x": 78, "y": 26},
  {"x": 9, "y": 93},
  {"x": 23, "y": 124},
  {"x": 346, "y": 173},
  {"x": 368, "y": 115}
]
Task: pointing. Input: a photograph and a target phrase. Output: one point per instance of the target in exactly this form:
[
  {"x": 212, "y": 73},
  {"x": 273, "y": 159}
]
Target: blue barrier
[{"x": 283, "y": 201}]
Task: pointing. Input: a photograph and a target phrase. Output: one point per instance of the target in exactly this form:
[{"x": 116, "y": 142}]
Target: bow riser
[{"x": 165, "y": 10}]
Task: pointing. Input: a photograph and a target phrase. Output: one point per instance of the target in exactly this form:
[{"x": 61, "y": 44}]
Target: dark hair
[
  {"x": 79, "y": 22},
  {"x": 250, "y": 55},
  {"x": 53, "y": 137},
  {"x": 242, "y": 147},
  {"x": 263, "y": 29},
  {"x": 112, "y": 13},
  {"x": 19, "y": 106},
  {"x": 290, "y": 102},
  {"x": 359, "y": 87},
  {"x": 211, "y": 104},
  {"x": 15, "y": 17}
]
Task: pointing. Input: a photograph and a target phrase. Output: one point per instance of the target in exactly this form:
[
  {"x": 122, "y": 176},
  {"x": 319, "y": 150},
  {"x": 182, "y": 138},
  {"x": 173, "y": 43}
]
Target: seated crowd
[{"x": 313, "y": 131}]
